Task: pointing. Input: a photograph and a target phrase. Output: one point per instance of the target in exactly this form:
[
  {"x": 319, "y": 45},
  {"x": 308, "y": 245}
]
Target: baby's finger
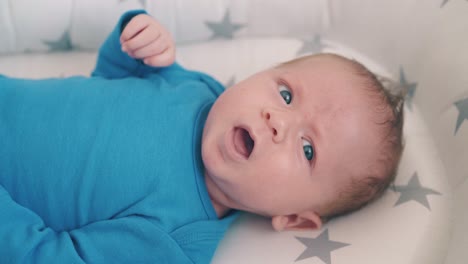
[
  {"x": 141, "y": 40},
  {"x": 135, "y": 26},
  {"x": 154, "y": 48},
  {"x": 165, "y": 59}
]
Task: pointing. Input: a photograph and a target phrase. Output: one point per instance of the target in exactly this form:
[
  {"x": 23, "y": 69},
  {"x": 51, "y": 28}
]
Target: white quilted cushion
[{"x": 29, "y": 25}]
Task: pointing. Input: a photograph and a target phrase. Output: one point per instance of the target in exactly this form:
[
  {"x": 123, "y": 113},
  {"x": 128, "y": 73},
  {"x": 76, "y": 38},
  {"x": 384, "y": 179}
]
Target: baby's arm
[
  {"x": 24, "y": 238},
  {"x": 137, "y": 45}
]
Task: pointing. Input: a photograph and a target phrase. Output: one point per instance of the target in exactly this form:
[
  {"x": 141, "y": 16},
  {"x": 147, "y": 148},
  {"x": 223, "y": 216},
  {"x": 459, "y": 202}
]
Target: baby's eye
[
  {"x": 285, "y": 93},
  {"x": 308, "y": 149}
]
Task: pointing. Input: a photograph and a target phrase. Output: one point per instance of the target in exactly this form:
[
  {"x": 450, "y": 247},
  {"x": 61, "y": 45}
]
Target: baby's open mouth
[{"x": 243, "y": 142}]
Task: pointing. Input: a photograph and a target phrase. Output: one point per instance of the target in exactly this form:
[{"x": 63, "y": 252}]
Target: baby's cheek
[{"x": 281, "y": 170}]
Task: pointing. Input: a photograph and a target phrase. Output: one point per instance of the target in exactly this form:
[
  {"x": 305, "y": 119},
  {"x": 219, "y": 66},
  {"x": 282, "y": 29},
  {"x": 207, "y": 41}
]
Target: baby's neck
[{"x": 220, "y": 209}]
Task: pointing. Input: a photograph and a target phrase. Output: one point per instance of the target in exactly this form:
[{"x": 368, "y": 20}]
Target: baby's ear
[{"x": 308, "y": 220}]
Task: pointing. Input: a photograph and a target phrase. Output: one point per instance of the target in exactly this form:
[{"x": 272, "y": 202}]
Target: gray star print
[
  {"x": 314, "y": 45},
  {"x": 62, "y": 44},
  {"x": 409, "y": 87},
  {"x": 414, "y": 192},
  {"x": 444, "y": 2},
  {"x": 231, "y": 82},
  {"x": 225, "y": 28},
  {"x": 462, "y": 107},
  {"x": 320, "y": 247}
]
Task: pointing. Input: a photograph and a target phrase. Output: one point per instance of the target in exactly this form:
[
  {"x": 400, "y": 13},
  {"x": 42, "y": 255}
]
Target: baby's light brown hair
[{"x": 387, "y": 101}]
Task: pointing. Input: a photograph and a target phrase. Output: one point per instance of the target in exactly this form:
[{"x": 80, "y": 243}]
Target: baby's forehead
[
  {"x": 327, "y": 71},
  {"x": 334, "y": 81},
  {"x": 328, "y": 79},
  {"x": 321, "y": 61}
]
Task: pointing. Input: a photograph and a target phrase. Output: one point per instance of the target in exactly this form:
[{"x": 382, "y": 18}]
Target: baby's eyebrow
[
  {"x": 316, "y": 136},
  {"x": 298, "y": 89},
  {"x": 312, "y": 127}
]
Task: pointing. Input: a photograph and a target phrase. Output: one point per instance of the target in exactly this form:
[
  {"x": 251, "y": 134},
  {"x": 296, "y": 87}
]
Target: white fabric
[{"x": 86, "y": 20}]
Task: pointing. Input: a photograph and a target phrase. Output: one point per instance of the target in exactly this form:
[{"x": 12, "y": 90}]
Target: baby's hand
[{"x": 144, "y": 38}]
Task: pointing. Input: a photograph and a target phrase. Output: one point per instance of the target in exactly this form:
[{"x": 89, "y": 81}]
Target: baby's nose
[{"x": 276, "y": 121}]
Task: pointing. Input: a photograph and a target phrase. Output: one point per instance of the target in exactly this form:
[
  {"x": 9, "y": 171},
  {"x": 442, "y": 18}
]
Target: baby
[{"x": 147, "y": 162}]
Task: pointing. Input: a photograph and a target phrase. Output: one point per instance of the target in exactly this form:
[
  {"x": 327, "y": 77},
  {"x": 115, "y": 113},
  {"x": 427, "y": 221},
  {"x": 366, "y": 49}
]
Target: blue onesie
[{"x": 107, "y": 169}]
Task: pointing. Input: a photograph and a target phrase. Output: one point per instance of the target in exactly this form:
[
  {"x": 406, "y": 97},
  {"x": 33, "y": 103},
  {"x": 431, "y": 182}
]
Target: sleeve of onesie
[
  {"x": 113, "y": 63},
  {"x": 24, "y": 238}
]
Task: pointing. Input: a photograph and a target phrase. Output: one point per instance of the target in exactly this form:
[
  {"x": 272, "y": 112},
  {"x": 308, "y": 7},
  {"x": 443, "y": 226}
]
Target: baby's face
[{"x": 286, "y": 139}]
